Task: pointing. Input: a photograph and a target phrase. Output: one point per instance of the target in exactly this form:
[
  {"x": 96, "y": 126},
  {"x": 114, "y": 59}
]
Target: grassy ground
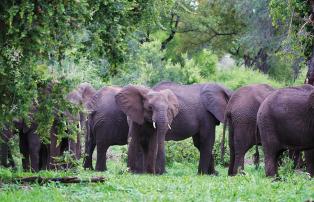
[{"x": 179, "y": 184}]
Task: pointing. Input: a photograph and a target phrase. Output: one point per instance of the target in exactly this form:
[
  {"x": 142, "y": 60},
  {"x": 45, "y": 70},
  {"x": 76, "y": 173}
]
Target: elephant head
[
  {"x": 142, "y": 105},
  {"x": 155, "y": 110},
  {"x": 81, "y": 94}
]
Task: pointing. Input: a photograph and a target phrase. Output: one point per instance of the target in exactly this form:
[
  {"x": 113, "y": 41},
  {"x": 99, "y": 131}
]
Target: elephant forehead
[{"x": 154, "y": 96}]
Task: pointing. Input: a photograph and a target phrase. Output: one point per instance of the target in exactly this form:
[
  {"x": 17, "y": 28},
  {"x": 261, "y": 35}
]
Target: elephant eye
[{"x": 150, "y": 108}]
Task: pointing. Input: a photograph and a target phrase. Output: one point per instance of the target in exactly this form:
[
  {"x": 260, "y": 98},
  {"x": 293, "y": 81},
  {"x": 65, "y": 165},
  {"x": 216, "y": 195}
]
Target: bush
[
  {"x": 237, "y": 77},
  {"x": 148, "y": 66},
  {"x": 181, "y": 151}
]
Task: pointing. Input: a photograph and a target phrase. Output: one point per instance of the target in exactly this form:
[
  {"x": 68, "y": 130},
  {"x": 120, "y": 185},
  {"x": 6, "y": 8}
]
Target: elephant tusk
[
  {"x": 169, "y": 127},
  {"x": 79, "y": 125},
  {"x": 154, "y": 124}
]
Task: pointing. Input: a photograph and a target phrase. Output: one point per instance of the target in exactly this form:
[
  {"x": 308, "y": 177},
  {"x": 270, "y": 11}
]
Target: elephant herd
[{"x": 144, "y": 118}]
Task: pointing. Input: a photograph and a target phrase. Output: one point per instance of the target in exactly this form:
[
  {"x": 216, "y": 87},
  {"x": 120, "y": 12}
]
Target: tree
[
  {"x": 36, "y": 36},
  {"x": 298, "y": 17}
]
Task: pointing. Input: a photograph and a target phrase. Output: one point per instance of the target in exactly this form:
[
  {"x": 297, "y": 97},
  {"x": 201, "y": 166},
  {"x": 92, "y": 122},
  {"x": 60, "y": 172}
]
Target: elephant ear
[
  {"x": 173, "y": 102},
  {"x": 215, "y": 98},
  {"x": 74, "y": 97},
  {"x": 130, "y": 100}
]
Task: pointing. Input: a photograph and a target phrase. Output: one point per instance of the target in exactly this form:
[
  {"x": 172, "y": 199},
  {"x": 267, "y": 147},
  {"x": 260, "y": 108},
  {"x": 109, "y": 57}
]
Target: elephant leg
[
  {"x": 242, "y": 144},
  {"x": 212, "y": 165},
  {"x": 54, "y": 148},
  {"x": 4, "y": 149},
  {"x": 101, "y": 164},
  {"x": 203, "y": 167},
  {"x": 24, "y": 149},
  {"x": 34, "y": 148},
  {"x": 309, "y": 160},
  {"x": 78, "y": 147},
  {"x": 196, "y": 142},
  {"x": 232, "y": 153},
  {"x": 43, "y": 163},
  {"x": 151, "y": 154},
  {"x": 135, "y": 152},
  {"x": 88, "y": 162},
  {"x": 206, "y": 143},
  {"x": 239, "y": 161},
  {"x": 271, "y": 161}
]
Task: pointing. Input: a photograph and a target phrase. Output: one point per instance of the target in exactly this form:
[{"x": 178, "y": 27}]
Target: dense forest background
[
  {"x": 48, "y": 47},
  {"x": 57, "y": 44}
]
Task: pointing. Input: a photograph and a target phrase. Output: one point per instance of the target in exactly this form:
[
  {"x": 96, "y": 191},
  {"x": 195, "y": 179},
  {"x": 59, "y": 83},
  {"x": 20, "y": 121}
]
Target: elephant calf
[
  {"x": 240, "y": 115},
  {"x": 286, "y": 121}
]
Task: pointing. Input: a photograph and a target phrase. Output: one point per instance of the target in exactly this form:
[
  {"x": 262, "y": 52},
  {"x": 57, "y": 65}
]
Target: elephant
[
  {"x": 171, "y": 111},
  {"x": 79, "y": 96},
  {"x": 6, "y": 158},
  {"x": 107, "y": 125},
  {"x": 35, "y": 153},
  {"x": 240, "y": 116},
  {"x": 285, "y": 121}
]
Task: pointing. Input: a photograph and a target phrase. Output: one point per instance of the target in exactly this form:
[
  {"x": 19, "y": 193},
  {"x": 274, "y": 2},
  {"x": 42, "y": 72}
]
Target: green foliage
[
  {"x": 39, "y": 40},
  {"x": 280, "y": 70},
  {"x": 181, "y": 152},
  {"x": 240, "y": 76},
  {"x": 291, "y": 14},
  {"x": 148, "y": 66},
  {"x": 286, "y": 168}
]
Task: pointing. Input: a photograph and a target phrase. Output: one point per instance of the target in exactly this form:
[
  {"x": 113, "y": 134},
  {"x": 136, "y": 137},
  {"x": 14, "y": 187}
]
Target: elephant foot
[{"x": 214, "y": 173}]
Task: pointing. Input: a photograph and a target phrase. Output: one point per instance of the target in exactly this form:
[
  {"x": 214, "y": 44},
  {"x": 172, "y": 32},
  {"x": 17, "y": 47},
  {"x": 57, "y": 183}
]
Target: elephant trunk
[{"x": 157, "y": 147}]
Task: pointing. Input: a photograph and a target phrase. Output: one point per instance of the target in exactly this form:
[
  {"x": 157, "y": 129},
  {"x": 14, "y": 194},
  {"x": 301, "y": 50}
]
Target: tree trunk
[{"x": 310, "y": 73}]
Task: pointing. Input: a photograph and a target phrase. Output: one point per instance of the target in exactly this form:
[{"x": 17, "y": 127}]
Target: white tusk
[
  {"x": 80, "y": 127},
  {"x": 154, "y": 124},
  {"x": 169, "y": 127}
]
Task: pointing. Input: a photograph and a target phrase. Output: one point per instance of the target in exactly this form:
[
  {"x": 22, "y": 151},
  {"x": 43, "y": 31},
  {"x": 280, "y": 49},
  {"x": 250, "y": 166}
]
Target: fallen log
[{"x": 66, "y": 180}]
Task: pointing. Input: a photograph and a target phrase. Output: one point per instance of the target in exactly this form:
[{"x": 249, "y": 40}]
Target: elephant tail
[
  {"x": 222, "y": 144},
  {"x": 256, "y": 155}
]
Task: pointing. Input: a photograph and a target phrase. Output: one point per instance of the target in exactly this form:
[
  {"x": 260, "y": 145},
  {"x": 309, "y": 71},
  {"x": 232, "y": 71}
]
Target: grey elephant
[
  {"x": 6, "y": 158},
  {"x": 107, "y": 126},
  {"x": 285, "y": 121},
  {"x": 81, "y": 95},
  {"x": 240, "y": 117},
  {"x": 171, "y": 111},
  {"x": 35, "y": 154}
]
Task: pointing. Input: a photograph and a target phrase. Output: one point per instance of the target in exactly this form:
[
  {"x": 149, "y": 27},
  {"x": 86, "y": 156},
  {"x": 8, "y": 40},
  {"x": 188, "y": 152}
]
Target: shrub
[
  {"x": 237, "y": 77},
  {"x": 148, "y": 66},
  {"x": 181, "y": 151}
]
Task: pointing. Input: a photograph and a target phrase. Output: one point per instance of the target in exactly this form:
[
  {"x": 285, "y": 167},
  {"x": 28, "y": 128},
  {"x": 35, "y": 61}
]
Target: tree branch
[{"x": 173, "y": 31}]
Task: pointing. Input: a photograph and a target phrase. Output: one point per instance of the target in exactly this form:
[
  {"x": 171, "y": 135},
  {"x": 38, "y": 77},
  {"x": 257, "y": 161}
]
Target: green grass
[{"x": 180, "y": 183}]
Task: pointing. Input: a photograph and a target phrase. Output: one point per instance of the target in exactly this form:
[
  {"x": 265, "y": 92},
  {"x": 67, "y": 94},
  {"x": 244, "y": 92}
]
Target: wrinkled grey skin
[
  {"x": 240, "y": 116},
  {"x": 107, "y": 126},
  {"x": 170, "y": 111},
  {"x": 286, "y": 121}
]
